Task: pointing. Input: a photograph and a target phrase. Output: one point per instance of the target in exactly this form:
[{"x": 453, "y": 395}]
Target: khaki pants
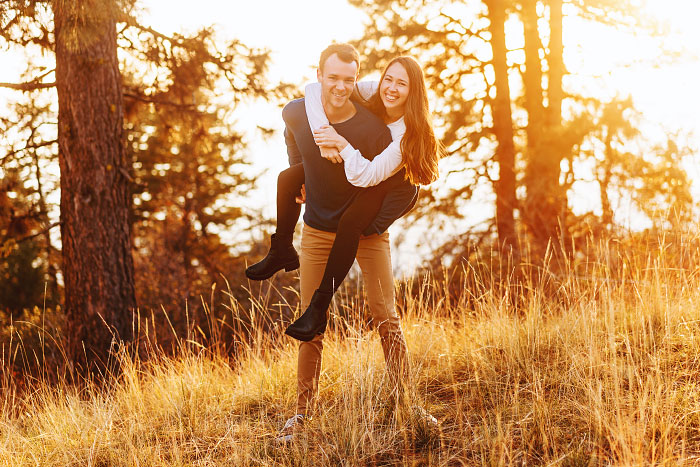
[{"x": 374, "y": 258}]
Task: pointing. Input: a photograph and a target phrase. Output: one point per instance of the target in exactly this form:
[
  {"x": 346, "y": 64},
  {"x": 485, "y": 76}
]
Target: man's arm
[
  {"x": 290, "y": 115},
  {"x": 293, "y": 152}
]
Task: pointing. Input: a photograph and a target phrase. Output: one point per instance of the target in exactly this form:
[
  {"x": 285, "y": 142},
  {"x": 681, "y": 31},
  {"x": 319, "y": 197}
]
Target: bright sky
[{"x": 297, "y": 30}]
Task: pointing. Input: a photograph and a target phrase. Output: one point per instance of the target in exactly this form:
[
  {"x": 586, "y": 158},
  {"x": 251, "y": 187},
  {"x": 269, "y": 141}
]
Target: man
[{"x": 327, "y": 195}]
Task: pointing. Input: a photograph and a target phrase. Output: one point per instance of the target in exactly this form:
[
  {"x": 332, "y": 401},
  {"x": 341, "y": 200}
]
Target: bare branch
[
  {"x": 28, "y": 147},
  {"x": 41, "y": 232},
  {"x": 30, "y": 86}
]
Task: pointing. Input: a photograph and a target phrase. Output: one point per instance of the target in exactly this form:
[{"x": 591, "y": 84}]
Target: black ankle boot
[
  {"x": 314, "y": 319},
  {"x": 282, "y": 255}
]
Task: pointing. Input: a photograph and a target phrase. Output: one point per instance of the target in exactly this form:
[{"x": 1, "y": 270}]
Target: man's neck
[{"x": 339, "y": 115}]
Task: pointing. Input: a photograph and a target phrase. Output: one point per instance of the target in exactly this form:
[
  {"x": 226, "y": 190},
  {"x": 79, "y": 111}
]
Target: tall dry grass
[{"x": 593, "y": 363}]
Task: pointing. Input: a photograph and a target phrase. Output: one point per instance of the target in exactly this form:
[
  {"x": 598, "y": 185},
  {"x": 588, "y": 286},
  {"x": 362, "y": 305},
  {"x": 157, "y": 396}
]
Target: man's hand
[
  {"x": 331, "y": 154},
  {"x": 301, "y": 198}
]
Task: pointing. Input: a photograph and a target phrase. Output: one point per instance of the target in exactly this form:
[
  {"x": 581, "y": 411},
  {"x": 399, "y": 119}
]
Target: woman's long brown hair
[{"x": 419, "y": 147}]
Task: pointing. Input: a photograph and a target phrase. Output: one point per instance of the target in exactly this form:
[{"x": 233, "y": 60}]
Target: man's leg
[
  {"x": 353, "y": 222},
  {"x": 374, "y": 257},
  {"x": 315, "y": 247}
]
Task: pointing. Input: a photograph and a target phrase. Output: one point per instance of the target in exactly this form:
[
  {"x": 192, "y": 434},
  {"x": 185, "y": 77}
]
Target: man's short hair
[{"x": 346, "y": 53}]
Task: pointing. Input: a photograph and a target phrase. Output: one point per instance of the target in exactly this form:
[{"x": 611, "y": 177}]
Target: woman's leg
[
  {"x": 282, "y": 254},
  {"x": 356, "y": 218},
  {"x": 289, "y": 184}
]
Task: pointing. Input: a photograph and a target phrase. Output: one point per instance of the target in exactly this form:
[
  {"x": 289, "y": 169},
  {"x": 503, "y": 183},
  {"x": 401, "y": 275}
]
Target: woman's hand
[
  {"x": 331, "y": 154},
  {"x": 326, "y": 136}
]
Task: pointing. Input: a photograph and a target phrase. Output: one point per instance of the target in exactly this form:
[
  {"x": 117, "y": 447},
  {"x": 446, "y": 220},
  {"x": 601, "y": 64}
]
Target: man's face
[{"x": 337, "y": 81}]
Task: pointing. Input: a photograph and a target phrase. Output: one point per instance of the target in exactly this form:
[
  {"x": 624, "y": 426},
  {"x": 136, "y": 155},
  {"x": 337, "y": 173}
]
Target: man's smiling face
[{"x": 337, "y": 80}]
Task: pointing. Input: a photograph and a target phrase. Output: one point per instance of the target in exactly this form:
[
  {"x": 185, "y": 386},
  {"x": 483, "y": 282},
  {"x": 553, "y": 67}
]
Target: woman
[{"x": 401, "y": 101}]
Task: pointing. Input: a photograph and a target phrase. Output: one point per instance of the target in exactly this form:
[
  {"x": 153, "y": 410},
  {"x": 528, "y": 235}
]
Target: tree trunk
[
  {"x": 604, "y": 181},
  {"x": 502, "y": 127},
  {"x": 553, "y": 141},
  {"x": 555, "y": 62},
  {"x": 95, "y": 232},
  {"x": 532, "y": 78},
  {"x": 544, "y": 206}
]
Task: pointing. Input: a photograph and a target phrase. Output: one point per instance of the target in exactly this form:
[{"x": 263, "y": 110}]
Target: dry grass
[{"x": 594, "y": 370}]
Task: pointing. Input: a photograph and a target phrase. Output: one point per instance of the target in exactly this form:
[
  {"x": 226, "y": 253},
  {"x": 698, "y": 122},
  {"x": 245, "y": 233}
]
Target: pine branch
[
  {"x": 41, "y": 232},
  {"x": 27, "y": 147},
  {"x": 30, "y": 86},
  {"x": 152, "y": 100}
]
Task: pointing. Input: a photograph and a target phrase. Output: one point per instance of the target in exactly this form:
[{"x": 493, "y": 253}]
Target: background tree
[
  {"x": 550, "y": 123},
  {"x": 176, "y": 95},
  {"x": 21, "y": 278},
  {"x": 29, "y": 179},
  {"x": 95, "y": 233},
  {"x": 502, "y": 127},
  {"x": 189, "y": 162}
]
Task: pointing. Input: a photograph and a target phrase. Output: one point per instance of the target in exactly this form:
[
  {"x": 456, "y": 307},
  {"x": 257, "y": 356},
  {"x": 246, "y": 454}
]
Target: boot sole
[
  {"x": 291, "y": 266},
  {"x": 300, "y": 336}
]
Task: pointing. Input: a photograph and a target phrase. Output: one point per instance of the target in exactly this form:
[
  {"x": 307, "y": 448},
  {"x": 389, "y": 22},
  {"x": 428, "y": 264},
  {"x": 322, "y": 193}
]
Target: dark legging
[
  {"x": 289, "y": 185},
  {"x": 356, "y": 218}
]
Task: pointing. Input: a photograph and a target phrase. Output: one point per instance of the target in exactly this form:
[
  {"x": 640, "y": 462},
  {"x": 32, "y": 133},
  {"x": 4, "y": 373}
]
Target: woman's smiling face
[{"x": 394, "y": 89}]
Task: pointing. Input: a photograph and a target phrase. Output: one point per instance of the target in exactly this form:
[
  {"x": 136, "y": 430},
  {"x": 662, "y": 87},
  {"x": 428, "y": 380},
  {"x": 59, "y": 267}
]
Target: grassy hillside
[{"x": 590, "y": 369}]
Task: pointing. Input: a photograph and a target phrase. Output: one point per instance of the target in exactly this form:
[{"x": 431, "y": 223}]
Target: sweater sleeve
[
  {"x": 290, "y": 115},
  {"x": 362, "y": 172},
  {"x": 367, "y": 88},
  {"x": 314, "y": 106}
]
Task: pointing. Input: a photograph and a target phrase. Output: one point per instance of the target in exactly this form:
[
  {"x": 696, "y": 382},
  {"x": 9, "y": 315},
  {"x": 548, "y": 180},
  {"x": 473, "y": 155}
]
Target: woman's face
[{"x": 394, "y": 89}]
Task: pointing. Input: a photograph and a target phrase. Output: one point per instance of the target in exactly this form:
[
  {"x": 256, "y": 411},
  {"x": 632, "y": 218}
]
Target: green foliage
[
  {"x": 22, "y": 269},
  {"x": 189, "y": 165},
  {"x": 649, "y": 174},
  {"x": 83, "y": 22},
  {"x": 21, "y": 278}
]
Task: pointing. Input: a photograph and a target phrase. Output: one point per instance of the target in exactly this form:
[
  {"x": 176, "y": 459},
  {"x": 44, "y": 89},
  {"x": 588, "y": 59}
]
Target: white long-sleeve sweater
[{"x": 359, "y": 171}]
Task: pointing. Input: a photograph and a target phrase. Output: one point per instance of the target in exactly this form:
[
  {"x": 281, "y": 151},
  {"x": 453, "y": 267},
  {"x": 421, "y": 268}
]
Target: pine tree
[
  {"x": 189, "y": 112},
  {"x": 451, "y": 40},
  {"x": 96, "y": 239},
  {"x": 502, "y": 127}
]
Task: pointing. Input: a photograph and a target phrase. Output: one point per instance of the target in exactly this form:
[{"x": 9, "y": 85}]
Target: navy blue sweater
[{"x": 328, "y": 192}]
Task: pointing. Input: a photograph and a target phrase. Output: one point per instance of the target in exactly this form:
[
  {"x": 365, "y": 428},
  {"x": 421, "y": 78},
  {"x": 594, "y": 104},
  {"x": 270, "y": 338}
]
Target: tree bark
[
  {"x": 502, "y": 127},
  {"x": 532, "y": 78},
  {"x": 95, "y": 232},
  {"x": 544, "y": 207},
  {"x": 555, "y": 61}
]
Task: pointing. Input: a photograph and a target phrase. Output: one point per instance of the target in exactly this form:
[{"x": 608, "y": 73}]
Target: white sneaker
[
  {"x": 291, "y": 426},
  {"x": 421, "y": 414}
]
